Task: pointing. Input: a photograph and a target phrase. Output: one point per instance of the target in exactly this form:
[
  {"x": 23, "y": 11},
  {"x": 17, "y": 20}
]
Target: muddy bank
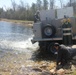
[
  {"x": 22, "y": 64},
  {"x": 30, "y": 63},
  {"x": 22, "y": 22}
]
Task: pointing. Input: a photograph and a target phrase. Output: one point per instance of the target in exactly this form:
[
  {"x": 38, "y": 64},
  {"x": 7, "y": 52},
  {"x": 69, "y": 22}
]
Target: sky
[{"x": 7, "y": 3}]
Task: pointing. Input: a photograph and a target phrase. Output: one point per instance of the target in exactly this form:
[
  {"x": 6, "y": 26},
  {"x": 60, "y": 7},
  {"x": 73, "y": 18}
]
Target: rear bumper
[
  {"x": 34, "y": 40},
  {"x": 46, "y": 39},
  {"x": 50, "y": 39}
]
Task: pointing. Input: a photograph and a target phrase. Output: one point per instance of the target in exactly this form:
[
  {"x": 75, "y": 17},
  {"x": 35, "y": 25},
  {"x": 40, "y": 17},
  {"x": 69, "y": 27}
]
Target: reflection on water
[
  {"x": 14, "y": 36},
  {"x": 13, "y": 30}
]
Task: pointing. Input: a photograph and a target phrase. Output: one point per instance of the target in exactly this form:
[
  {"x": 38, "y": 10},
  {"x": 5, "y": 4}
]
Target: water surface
[{"x": 15, "y": 36}]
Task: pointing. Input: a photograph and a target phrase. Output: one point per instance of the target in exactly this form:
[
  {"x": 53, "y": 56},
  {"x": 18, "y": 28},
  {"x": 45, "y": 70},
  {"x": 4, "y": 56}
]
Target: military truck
[{"x": 48, "y": 29}]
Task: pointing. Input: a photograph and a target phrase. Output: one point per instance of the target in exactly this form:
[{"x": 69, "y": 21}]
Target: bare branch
[{"x": 52, "y": 2}]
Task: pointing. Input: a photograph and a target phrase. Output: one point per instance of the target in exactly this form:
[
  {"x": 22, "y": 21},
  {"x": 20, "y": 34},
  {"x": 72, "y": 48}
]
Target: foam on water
[
  {"x": 16, "y": 41},
  {"x": 18, "y": 45},
  {"x": 16, "y": 37}
]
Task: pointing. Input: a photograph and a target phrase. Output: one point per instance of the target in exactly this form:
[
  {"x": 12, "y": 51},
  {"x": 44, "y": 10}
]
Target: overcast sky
[{"x": 7, "y": 3}]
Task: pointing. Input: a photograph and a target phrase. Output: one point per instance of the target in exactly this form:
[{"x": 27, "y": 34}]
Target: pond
[
  {"x": 16, "y": 48},
  {"x": 15, "y": 36}
]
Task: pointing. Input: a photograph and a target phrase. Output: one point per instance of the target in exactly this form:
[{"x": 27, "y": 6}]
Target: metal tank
[{"x": 49, "y": 29}]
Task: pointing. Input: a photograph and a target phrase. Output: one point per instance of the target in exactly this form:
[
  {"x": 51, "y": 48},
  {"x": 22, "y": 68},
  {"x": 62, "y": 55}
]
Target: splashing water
[
  {"x": 16, "y": 37},
  {"x": 17, "y": 44}
]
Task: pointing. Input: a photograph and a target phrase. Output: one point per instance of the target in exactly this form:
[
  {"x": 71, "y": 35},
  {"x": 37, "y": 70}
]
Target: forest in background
[{"x": 24, "y": 11}]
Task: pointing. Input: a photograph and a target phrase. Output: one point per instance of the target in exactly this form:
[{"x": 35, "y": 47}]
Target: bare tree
[
  {"x": 33, "y": 8},
  {"x": 13, "y": 5},
  {"x": 70, "y": 1},
  {"x": 52, "y": 2},
  {"x": 45, "y": 4},
  {"x": 39, "y": 4},
  {"x": 61, "y": 3},
  {"x": 21, "y": 3},
  {"x": 21, "y": 6}
]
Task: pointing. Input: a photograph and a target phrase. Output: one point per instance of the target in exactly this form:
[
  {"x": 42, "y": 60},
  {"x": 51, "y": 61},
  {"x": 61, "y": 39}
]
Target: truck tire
[
  {"x": 51, "y": 48},
  {"x": 49, "y": 31}
]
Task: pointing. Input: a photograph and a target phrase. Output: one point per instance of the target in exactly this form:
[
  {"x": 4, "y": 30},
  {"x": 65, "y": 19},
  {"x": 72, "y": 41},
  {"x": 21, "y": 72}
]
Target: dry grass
[
  {"x": 23, "y": 22},
  {"x": 74, "y": 73}
]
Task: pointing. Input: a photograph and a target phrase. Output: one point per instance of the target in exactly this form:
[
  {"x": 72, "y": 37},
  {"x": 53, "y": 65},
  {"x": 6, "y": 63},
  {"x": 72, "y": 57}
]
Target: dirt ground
[{"x": 31, "y": 63}]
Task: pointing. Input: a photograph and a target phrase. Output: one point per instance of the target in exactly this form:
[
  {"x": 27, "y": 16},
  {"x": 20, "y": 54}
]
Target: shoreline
[{"x": 21, "y": 22}]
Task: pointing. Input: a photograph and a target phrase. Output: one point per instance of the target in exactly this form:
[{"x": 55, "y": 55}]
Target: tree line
[{"x": 24, "y": 11}]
